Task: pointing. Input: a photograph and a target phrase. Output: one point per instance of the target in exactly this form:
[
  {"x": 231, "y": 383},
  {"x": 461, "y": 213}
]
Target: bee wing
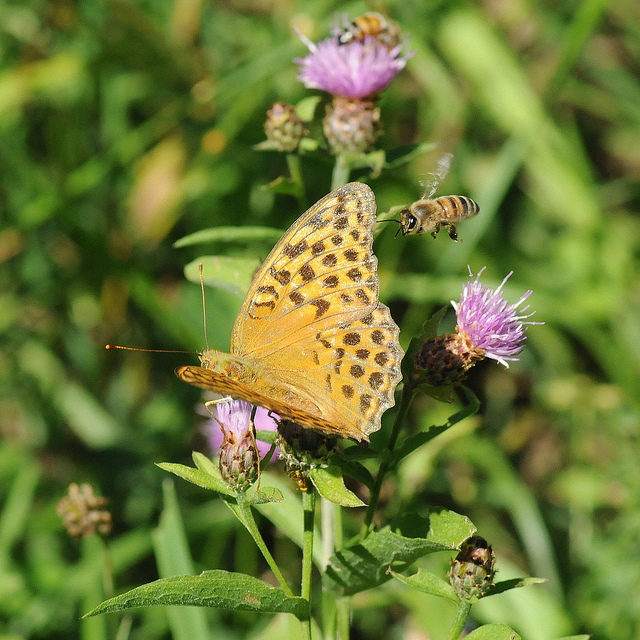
[{"x": 436, "y": 177}]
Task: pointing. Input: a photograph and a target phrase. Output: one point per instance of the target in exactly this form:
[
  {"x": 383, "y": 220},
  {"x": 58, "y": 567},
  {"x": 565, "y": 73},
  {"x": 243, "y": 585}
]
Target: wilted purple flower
[
  {"x": 354, "y": 70},
  {"x": 489, "y": 322},
  {"x": 235, "y": 416}
]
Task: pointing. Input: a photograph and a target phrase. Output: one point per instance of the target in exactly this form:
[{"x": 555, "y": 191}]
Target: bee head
[{"x": 408, "y": 222}]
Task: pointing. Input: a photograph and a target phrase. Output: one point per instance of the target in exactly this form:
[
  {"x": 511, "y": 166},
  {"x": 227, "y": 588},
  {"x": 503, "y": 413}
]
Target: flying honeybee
[
  {"x": 375, "y": 25},
  {"x": 429, "y": 216}
]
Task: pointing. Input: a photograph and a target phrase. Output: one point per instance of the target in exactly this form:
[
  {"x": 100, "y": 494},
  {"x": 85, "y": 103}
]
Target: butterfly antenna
[
  {"x": 204, "y": 307},
  {"x": 117, "y": 346}
]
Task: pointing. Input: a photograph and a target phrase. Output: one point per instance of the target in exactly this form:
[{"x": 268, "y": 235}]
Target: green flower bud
[
  {"x": 283, "y": 127},
  {"x": 473, "y": 569}
]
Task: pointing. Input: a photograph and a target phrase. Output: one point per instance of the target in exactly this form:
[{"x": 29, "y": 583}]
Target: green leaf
[
  {"x": 506, "y": 585},
  {"x": 428, "y": 332},
  {"x": 330, "y": 485},
  {"x": 17, "y": 505},
  {"x": 354, "y": 469},
  {"x": 219, "y": 589},
  {"x": 264, "y": 495},
  {"x": 414, "y": 442},
  {"x": 266, "y": 436},
  {"x": 230, "y": 234},
  {"x": 428, "y": 582},
  {"x": 174, "y": 558},
  {"x": 206, "y": 464},
  {"x": 493, "y": 632},
  {"x": 400, "y": 156},
  {"x": 306, "y": 108},
  {"x": 365, "y": 565},
  {"x": 233, "y": 275},
  {"x": 285, "y": 186},
  {"x": 205, "y": 479}
]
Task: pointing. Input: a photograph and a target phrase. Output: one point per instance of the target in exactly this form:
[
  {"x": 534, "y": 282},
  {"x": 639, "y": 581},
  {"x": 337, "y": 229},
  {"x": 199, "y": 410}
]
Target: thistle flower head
[
  {"x": 494, "y": 326},
  {"x": 238, "y": 450},
  {"x": 354, "y": 70},
  {"x": 235, "y": 416}
]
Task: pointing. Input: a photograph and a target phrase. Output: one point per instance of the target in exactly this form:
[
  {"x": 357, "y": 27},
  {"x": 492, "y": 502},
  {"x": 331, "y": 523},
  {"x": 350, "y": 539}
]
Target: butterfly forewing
[
  {"x": 304, "y": 282},
  {"x": 318, "y": 346}
]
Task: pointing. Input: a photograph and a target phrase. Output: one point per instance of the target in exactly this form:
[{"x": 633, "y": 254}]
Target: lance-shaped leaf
[
  {"x": 230, "y": 234},
  {"x": 428, "y": 582},
  {"x": 219, "y": 589},
  {"x": 330, "y": 485},
  {"x": 233, "y": 275},
  {"x": 365, "y": 565},
  {"x": 494, "y": 632}
]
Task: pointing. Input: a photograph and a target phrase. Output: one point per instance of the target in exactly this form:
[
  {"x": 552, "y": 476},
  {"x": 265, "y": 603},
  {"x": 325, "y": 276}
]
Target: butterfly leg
[{"x": 211, "y": 403}]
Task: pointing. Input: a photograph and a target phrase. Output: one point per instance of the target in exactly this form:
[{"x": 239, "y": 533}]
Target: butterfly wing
[{"x": 312, "y": 324}]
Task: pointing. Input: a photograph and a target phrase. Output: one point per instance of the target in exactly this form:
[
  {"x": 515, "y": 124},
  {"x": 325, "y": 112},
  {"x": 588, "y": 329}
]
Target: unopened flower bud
[
  {"x": 84, "y": 513},
  {"x": 351, "y": 125},
  {"x": 283, "y": 127},
  {"x": 445, "y": 360},
  {"x": 239, "y": 457},
  {"x": 473, "y": 569}
]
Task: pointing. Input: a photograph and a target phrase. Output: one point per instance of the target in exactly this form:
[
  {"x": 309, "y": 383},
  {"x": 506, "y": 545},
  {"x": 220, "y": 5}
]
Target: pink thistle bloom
[
  {"x": 235, "y": 416},
  {"x": 490, "y": 323},
  {"x": 354, "y": 70}
]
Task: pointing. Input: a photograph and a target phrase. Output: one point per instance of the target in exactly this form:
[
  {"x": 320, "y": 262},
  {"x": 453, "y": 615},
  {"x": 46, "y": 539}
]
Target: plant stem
[
  {"x": 343, "y": 618},
  {"x": 405, "y": 401},
  {"x": 341, "y": 171},
  {"x": 295, "y": 171},
  {"x": 309, "y": 509},
  {"x": 464, "y": 608},
  {"x": 244, "y": 510}
]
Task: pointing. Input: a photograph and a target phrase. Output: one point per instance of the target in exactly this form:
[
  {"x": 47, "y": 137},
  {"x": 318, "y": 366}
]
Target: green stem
[
  {"x": 336, "y": 612},
  {"x": 341, "y": 171},
  {"x": 343, "y": 618},
  {"x": 328, "y": 530},
  {"x": 295, "y": 171},
  {"x": 405, "y": 401},
  {"x": 464, "y": 608},
  {"x": 244, "y": 510},
  {"x": 309, "y": 509}
]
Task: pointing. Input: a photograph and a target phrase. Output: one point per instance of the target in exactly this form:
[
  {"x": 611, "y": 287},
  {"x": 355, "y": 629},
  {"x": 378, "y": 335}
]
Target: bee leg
[
  {"x": 453, "y": 233},
  {"x": 436, "y": 228}
]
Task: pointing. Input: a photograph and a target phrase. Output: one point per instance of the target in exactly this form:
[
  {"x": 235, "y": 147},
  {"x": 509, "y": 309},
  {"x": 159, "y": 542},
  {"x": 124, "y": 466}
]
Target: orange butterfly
[{"x": 312, "y": 342}]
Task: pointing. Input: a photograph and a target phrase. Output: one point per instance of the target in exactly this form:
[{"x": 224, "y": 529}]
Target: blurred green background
[{"x": 125, "y": 126}]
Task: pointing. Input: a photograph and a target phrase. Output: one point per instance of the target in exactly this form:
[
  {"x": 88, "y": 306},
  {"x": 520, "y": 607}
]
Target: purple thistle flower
[
  {"x": 354, "y": 70},
  {"x": 235, "y": 416},
  {"x": 490, "y": 323}
]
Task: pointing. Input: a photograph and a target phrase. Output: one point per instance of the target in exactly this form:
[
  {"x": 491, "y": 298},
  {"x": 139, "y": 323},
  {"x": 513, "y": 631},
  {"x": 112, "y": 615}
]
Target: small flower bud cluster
[
  {"x": 351, "y": 125},
  {"x": 473, "y": 569},
  {"x": 283, "y": 127},
  {"x": 84, "y": 513}
]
